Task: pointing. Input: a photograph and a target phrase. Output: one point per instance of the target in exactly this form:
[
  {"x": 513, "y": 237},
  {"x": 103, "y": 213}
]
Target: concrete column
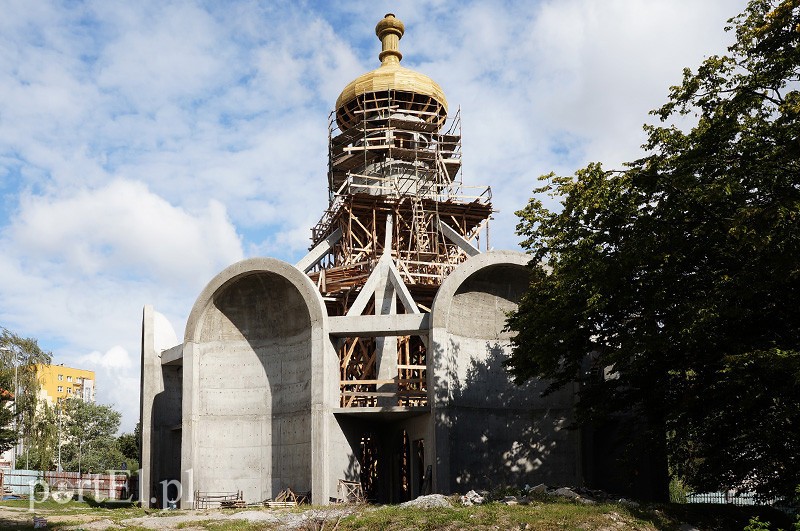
[
  {"x": 189, "y": 406},
  {"x": 386, "y": 347},
  {"x": 151, "y": 384},
  {"x": 324, "y": 397},
  {"x": 158, "y": 389}
]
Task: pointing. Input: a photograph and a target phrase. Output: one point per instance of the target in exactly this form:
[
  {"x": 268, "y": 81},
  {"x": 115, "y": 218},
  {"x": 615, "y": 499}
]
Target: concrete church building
[{"x": 375, "y": 359}]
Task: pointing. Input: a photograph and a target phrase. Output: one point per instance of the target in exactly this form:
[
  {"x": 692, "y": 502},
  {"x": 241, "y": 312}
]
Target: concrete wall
[
  {"x": 161, "y": 397},
  {"x": 488, "y": 431},
  {"x": 253, "y": 424},
  {"x": 253, "y": 392},
  {"x": 249, "y": 397}
]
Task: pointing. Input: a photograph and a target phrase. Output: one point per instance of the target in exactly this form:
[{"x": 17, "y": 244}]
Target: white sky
[{"x": 145, "y": 146}]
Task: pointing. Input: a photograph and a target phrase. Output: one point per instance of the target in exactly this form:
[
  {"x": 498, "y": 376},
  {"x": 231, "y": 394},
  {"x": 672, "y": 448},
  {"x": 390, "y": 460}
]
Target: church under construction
[{"x": 374, "y": 361}]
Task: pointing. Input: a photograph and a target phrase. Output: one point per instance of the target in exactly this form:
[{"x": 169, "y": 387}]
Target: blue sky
[{"x": 145, "y": 146}]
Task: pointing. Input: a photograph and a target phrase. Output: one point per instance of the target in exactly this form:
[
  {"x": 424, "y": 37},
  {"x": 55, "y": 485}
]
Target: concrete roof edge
[
  {"x": 251, "y": 266},
  {"x": 444, "y": 297}
]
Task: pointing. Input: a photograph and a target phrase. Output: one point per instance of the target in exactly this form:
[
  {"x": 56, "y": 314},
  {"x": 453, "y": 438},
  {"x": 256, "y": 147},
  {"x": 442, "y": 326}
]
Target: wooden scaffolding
[{"x": 395, "y": 189}]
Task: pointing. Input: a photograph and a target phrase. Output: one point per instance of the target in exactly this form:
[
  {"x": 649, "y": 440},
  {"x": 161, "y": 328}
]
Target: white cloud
[
  {"x": 84, "y": 264},
  {"x": 116, "y": 358},
  {"x": 145, "y": 146},
  {"x": 161, "y": 53},
  {"x": 115, "y": 382},
  {"x": 123, "y": 229}
]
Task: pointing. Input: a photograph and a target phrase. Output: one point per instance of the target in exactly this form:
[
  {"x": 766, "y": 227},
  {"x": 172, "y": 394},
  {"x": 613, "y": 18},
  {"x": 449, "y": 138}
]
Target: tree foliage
[
  {"x": 8, "y": 435},
  {"x": 41, "y": 451},
  {"x": 97, "y": 456},
  {"x": 678, "y": 277},
  {"x": 129, "y": 445},
  {"x": 89, "y": 432},
  {"x": 19, "y": 357}
]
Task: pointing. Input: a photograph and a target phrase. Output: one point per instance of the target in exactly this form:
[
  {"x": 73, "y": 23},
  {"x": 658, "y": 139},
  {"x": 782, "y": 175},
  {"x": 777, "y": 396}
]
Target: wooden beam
[
  {"x": 383, "y": 394},
  {"x": 345, "y": 383},
  {"x": 346, "y": 360}
]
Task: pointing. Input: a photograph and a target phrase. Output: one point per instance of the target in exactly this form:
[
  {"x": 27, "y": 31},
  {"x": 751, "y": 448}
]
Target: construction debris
[
  {"x": 472, "y": 498},
  {"x": 287, "y": 498},
  {"x": 429, "y": 502},
  {"x": 206, "y": 500}
]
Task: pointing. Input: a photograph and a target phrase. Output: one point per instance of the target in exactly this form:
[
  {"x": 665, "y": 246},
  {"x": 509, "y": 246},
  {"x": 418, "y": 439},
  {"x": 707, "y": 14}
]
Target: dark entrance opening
[{"x": 369, "y": 451}]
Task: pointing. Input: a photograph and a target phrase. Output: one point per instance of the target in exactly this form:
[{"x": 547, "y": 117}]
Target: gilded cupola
[{"x": 407, "y": 89}]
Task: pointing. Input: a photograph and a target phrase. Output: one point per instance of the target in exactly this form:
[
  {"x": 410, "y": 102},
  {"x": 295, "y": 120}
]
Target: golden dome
[{"x": 407, "y": 88}]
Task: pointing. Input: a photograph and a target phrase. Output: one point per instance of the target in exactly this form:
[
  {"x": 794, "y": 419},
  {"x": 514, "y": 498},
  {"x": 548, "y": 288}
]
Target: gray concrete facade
[
  {"x": 490, "y": 432},
  {"x": 249, "y": 401}
]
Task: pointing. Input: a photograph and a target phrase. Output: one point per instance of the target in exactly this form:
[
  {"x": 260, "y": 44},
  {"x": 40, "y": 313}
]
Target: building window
[
  {"x": 69, "y": 390},
  {"x": 69, "y": 378},
  {"x": 60, "y": 389},
  {"x": 60, "y": 377}
]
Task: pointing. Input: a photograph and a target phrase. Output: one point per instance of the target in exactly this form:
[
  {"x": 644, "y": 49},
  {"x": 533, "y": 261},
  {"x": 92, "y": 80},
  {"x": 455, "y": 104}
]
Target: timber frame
[{"x": 399, "y": 219}]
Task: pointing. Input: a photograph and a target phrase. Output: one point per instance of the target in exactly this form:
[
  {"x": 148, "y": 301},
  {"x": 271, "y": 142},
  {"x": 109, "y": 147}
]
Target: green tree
[
  {"x": 101, "y": 455},
  {"x": 129, "y": 446},
  {"x": 19, "y": 357},
  {"x": 8, "y": 434},
  {"x": 677, "y": 278},
  {"x": 41, "y": 453},
  {"x": 89, "y": 430}
]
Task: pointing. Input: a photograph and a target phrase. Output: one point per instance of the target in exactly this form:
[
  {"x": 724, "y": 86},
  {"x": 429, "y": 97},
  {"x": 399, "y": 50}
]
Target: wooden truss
[{"x": 399, "y": 221}]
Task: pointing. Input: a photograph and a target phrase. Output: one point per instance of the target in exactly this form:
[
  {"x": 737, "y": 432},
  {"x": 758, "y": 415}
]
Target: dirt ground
[{"x": 18, "y": 518}]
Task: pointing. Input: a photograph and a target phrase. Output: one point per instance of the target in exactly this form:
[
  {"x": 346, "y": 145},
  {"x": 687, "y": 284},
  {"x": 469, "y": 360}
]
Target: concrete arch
[
  {"x": 489, "y": 431},
  {"x": 254, "y": 343},
  {"x": 306, "y": 288},
  {"x": 440, "y": 312}
]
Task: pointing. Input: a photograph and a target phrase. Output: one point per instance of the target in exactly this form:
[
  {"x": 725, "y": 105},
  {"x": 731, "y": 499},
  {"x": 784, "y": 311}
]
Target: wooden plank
[
  {"x": 365, "y": 229},
  {"x": 370, "y": 364},
  {"x": 346, "y": 360},
  {"x": 379, "y": 394},
  {"x": 345, "y": 383}
]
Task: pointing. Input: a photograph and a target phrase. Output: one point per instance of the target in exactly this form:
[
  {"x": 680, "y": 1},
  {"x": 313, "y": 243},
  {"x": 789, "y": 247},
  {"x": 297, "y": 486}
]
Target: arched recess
[
  {"x": 489, "y": 431},
  {"x": 253, "y": 338}
]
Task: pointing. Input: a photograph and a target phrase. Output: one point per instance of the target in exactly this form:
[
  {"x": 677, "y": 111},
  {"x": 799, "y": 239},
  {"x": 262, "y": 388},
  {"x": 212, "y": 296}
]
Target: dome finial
[{"x": 389, "y": 30}]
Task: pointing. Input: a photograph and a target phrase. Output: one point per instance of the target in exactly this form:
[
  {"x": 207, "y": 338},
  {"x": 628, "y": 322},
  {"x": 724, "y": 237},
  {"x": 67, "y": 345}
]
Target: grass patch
[
  {"x": 559, "y": 514},
  {"x": 545, "y": 513},
  {"x": 544, "y": 516},
  {"x": 88, "y": 507}
]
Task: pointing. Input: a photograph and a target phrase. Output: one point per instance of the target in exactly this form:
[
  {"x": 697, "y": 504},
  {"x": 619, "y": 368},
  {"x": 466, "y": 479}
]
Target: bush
[{"x": 677, "y": 491}]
